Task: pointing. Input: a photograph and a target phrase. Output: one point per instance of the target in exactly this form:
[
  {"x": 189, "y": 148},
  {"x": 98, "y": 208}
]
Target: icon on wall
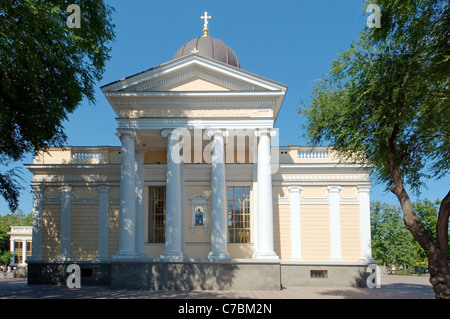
[{"x": 199, "y": 216}]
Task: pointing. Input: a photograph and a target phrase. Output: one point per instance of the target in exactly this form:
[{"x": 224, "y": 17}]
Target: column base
[
  {"x": 219, "y": 256},
  {"x": 266, "y": 255},
  {"x": 172, "y": 257},
  {"x": 127, "y": 255}
]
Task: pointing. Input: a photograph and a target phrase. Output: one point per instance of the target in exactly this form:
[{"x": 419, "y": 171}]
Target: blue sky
[{"x": 289, "y": 41}]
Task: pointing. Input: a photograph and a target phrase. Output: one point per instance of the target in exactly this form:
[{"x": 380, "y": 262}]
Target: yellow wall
[
  {"x": 350, "y": 233},
  {"x": 282, "y": 231},
  {"x": 315, "y": 230},
  {"x": 113, "y": 231},
  {"x": 315, "y": 225},
  {"x": 84, "y": 232},
  {"x": 51, "y": 225}
]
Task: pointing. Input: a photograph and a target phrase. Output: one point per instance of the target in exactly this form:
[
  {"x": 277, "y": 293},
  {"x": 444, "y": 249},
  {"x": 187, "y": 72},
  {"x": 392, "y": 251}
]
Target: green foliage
[
  {"x": 392, "y": 243},
  {"x": 46, "y": 69},
  {"x": 395, "y": 77},
  {"x": 5, "y": 257}
]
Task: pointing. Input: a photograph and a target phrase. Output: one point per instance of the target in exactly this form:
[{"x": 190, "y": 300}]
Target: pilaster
[
  {"x": 296, "y": 236},
  {"x": 103, "y": 221},
  {"x": 364, "y": 221},
  {"x": 36, "y": 244},
  {"x": 66, "y": 203},
  {"x": 335, "y": 223}
]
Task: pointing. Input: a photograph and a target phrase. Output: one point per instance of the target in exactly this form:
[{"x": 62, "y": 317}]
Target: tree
[
  {"x": 385, "y": 102},
  {"x": 392, "y": 243},
  {"x": 47, "y": 66},
  {"x": 386, "y": 231}
]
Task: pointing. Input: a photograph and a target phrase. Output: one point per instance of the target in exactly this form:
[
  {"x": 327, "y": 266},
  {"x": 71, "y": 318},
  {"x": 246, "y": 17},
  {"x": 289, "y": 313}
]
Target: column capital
[
  {"x": 265, "y": 131},
  {"x": 122, "y": 132},
  {"x": 295, "y": 188},
  {"x": 364, "y": 189},
  {"x": 65, "y": 189},
  {"x": 334, "y": 189},
  {"x": 37, "y": 188},
  {"x": 103, "y": 188},
  {"x": 213, "y": 132},
  {"x": 176, "y": 133}
]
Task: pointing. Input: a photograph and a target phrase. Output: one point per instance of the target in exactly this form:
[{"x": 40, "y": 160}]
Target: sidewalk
[{"x": 392, "y": 287}]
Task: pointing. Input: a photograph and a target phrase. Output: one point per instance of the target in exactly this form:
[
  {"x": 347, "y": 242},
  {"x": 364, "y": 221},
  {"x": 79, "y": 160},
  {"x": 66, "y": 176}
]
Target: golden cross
[{"x": 205, "y": 26}]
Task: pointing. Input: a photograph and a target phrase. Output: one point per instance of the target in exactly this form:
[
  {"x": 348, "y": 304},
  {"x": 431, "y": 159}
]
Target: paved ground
[{"x": 392, "y": 287}]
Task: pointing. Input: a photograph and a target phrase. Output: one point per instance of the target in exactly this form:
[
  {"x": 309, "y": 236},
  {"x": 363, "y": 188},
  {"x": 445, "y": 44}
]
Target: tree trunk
[
  {"x": 436, "y": 251},
  {"x": 437, "y": 262}
]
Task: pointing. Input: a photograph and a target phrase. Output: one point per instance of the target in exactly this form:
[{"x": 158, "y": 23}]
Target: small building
[{"x": 20, "y": 241}]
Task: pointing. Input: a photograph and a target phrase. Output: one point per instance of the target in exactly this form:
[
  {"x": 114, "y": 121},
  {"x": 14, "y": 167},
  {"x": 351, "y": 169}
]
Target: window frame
[
  {"x": 239, "y": 215},
  {"x": 156, "y": 227}
]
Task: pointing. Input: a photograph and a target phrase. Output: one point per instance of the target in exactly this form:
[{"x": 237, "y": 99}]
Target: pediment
[
  {"x": 193, "y": 73},
  {"x": 195, "y": 86}
]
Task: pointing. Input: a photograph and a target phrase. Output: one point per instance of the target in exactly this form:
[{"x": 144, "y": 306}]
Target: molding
[
  {"x": 323, "y": 177},
  {"x": 314, "y": 202},
  {"x": 199, "y": 123}
]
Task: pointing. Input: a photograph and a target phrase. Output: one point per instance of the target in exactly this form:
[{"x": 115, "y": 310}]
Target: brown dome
[{"x": 211, "y": 48}]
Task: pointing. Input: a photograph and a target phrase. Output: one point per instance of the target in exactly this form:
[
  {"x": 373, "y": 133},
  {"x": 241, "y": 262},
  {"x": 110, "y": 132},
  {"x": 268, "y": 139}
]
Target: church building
[{"x": 199, "y": 195}]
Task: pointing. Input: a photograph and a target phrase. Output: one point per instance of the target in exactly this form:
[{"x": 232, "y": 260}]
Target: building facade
[
  {"x": 199, "y": 177},
  {"x": 20, "y": 244}
]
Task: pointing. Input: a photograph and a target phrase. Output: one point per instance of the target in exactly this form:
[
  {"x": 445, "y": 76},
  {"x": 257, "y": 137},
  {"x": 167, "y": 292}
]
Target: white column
[
  {"x": 66, "y": 203},
  {"x": 182, "y": 208},
  {"x": 296, "y": 236},
  {"x": 24, "y": 251},
  {"x": 12, "y": 246},
  {"x": 218, "y": 198},
  {"x": 255, "y": 200},
  {"x": 173, "y": 249},
  {"x": 103, "y": 221},
  {"x": 364, "y": 220},
  {"x": 140, "y": 154},
  {"x": 265, "y": 205},
  {"x": 36, "y": 243},
  {"x": 127, "y": 209},
  {"x": 335, "y": 223}
]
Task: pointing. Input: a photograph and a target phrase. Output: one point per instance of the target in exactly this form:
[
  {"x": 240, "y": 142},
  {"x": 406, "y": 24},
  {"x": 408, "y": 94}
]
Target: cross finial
[{"x": 205, "y": 25}]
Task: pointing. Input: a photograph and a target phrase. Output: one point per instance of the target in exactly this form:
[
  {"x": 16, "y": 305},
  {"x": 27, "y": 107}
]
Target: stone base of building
[
  {"x": 202, "y": 275},
  {"x": 55, "y": 272}
]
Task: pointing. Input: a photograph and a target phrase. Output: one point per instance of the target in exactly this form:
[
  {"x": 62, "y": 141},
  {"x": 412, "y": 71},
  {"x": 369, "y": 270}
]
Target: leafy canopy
[
  {"x": 391, "y": 79},
  {"x": 46, "y": 69}
]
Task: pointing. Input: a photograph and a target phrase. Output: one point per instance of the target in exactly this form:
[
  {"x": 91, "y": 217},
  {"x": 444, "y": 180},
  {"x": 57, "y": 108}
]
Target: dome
[{"x": 211, "y": 48}]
